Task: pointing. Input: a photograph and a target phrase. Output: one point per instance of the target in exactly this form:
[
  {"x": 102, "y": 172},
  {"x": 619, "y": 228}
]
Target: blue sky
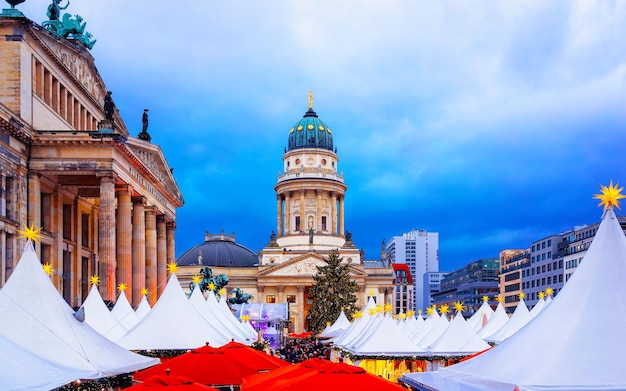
[{"x": 490, "y": 122}]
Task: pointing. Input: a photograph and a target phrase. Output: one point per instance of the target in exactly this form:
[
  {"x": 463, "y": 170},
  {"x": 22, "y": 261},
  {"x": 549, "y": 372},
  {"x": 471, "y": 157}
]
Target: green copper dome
[{"x": 310, "y": 132}]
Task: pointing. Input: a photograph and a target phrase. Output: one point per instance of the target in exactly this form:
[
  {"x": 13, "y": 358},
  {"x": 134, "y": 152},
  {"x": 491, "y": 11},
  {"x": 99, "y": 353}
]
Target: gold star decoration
[
  {"x": 29, "y": 233},
  {"x": 459, "y": 307},
  {"x": 610, "y": 196},
  {"x": 443, "y": 309},
  {"x": 172, "y": 267},
  {"x": 387, "y": 308},
  {"x": 549, "y": 291},
  {"x": 379, "y": 309},
  {"x": 222, "y": 292},
  {"x": 541, "y": 295},
  {"x": 410, "y": 314},
  {"x": 245, "y": 318},
  {"x": 357, "y": 315},
  {"x": 522, "y": 295},
  {"x": 48, "y": 269},
  {"x": 121, "y": 287},
  {"x": 499, "y": 299},
  {"x": 144, "y": 292},
  {"x": 430, "y": 310},
  {"x": 402, "y": 316},
  {"x": 94, "y": 280},
  {"x": 371, "y": 292},
  {"x": 196, "y": 279},
  {"x": 211, "y": 286},
  {"x": 372, "y": 311},
  {"x": 485, "y": 299}
]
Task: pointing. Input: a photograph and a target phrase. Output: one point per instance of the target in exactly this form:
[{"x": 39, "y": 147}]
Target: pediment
[
  {"x": 152, "y": 158},
  {"x": 75, "y": 60},
  {"x": 303, "y": 265}
]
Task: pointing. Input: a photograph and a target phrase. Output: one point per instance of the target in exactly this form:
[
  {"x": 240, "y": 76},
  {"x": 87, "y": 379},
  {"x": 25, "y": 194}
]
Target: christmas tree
[{"x": 332, "y": 291}]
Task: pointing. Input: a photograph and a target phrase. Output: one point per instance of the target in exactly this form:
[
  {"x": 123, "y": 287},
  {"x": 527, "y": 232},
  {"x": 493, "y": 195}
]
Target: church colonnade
[{"x": 114, "y": 235}]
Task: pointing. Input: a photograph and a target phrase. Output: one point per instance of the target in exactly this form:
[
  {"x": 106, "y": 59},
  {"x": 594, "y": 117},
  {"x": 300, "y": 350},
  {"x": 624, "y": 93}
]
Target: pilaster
[
  {"x": 106, "y": 230},
  {"x": 124, "y": 271},
  {"x": 139, "y": 249},
  {"x": 151, "y": 254},
  {"x": 161, "y": 232}
]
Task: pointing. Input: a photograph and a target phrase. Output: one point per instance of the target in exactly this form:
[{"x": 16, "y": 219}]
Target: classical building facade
[
  {"x": 310, "y": 223},
  {"x": 106, "y": 201}
]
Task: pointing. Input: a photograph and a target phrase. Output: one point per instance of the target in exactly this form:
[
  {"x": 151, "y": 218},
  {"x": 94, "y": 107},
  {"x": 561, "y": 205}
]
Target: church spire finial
[{"x": 310, "y": 100}]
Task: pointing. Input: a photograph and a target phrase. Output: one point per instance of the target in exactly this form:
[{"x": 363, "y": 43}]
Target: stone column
[
  {"x": 151, "y": 254},
  {"x": 124, "y": 239},
  {"x": 300, "y": 306},
  {"x": 34, "y": 201},
  {"x": 287, "y": 213},
  {"x": 279, "y": 215},
  {"x": 281, "y": 293},
  {"x": 171, "y": 249},
  {"x": 161, "y": 223},
  {"x": 106, "y": 233},
  {"x": 341, "y": 213},
  {"x": 3, "y": 197},
  {"x": 303, "y": 222},
  {"x": 139, "y": 249},
  {"x": 334, "y": 213},
  {"x": 318, "y": 210}
]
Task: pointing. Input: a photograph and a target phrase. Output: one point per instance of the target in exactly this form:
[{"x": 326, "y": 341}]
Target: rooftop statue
[
  {"x": 240, "y": 297},
  {"x": 67, "y": 27},
  {"x": 54, "y": 9}
]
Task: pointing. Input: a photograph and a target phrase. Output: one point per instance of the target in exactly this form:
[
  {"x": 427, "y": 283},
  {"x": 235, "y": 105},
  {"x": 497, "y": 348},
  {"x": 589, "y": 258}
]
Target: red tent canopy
[
  {"x": 254, "y": 358},
  {"x": 317, "y": 374},
  {"x": 169, "y": 382},
  {"x": 227, "y": 365},
  {"x": 306, "y": 334}
]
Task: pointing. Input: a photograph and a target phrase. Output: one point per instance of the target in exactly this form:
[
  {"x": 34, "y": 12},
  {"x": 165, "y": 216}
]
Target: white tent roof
[
  {"x": 458, "y": 340},
  {"x": 33, "y": 315},
  {"x": 538, "y": 307},
  {"x": 484, "y": 313},
  {"x": 495, "y": 323},
  {"x": 428, "y": 324},
  {"x": 21, "y": 369},
  {"x": 172, "y": 323},
  {"x": 341, "y": 323},
  {"x": 412, "y": 324},
  {"x": 123, "y": 312},
  {"x": 220, "y": 306},
  {"x": 585, "y": 352},
  {"x": 386, "y": 339},
  {"x": 520, "y": 317},
  {"x": 98, "y": 316},
  {"x": 439, "y": 327},
  {"x": 227, "y": 331},
  {"x": 370, "y": 327},
  {"x": 143, "y": 308}
]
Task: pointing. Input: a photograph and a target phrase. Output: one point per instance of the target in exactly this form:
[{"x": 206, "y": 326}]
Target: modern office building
[
  {"x": 543, "y": 271},
  {"x": 511, "y": 264},
  {"x": 106, "y": 201},
  {"x": 432, "y": 286},
  {"x": 419, "y": 249},
  {"x": 470, "y": 284}
]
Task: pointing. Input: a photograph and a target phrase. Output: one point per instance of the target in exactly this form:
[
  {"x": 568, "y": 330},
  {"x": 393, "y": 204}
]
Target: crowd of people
[{"x": 298, "y": 350}]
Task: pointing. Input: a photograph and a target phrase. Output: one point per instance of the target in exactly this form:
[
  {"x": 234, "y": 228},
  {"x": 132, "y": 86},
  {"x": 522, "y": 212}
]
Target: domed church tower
[
  {"x": 310, "y": 221},
  {"x": 310, "y": 195}
]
